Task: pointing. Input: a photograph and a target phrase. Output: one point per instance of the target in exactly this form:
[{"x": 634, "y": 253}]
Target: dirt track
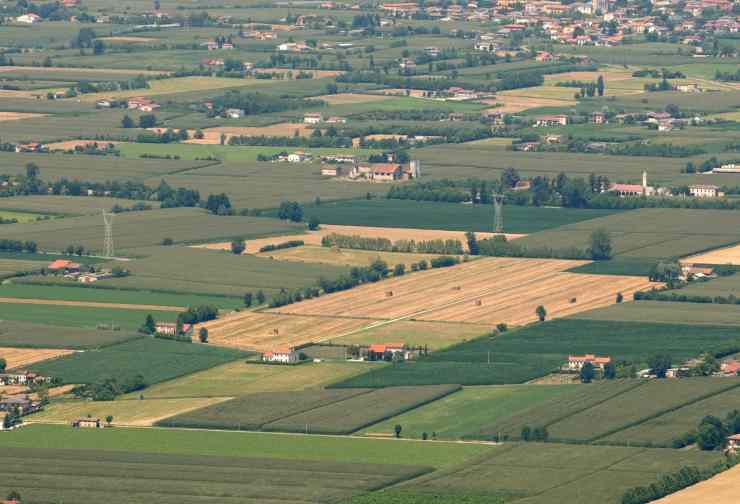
[{"x": 91, "y": 304}]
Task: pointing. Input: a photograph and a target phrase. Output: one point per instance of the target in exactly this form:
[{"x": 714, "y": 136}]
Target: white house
[
  {"x": 234, "y": 113},
  {"x": 313, "y": 118},
  {"x": 28, "y": 19},
  {"x": 705, "y": 191},
  {"x": 576, "y": 362},
  {"x": 284, "y": 355}
]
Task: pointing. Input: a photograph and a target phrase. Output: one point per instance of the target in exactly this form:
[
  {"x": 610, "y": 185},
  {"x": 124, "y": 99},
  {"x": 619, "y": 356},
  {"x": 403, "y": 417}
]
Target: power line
[{"x": 108, "y": 240}]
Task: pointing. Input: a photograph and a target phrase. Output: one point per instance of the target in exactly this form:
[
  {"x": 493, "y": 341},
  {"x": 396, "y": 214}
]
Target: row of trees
[
  {"x": 385, "y": 245},
  {"x": 110, "y": 388}
]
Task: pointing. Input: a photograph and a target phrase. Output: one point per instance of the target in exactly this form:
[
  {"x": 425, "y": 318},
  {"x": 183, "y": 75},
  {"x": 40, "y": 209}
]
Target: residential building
[
  {"x": 733, "y": 443},
  {"x": 331, "y": 170},
  {"x": 28, "y": 19},
  {"x": 170, "y": 329},
  {"x": 312, "y": 118},
  {"x": 386, "y": 172},
  {"x": 283, "y": 355},
  {"x": 730, "y": 367},
  {"x": 576, "y": 362},
  {"x": 87, "y": 423},
  {"x": 234, "y": 113},
  {"x": 598, "y": 118},
  {"x": 336, "y": 120},
  {"x": 379, "y": 351},
  {"x": 705, "y": 191},
  {"x": 551, "y": 120},
  {"x": 298, "y": 157},
  {"x": 63, "y": 265},
  {"x": 22, "y": 404},
  {"x": 23, "y": 378}
]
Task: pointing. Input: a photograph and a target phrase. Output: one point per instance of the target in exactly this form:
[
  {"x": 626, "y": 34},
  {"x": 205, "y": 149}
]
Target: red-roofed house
[
  {"x": 576, "y": 362},
  {"x": 386, "y": 172},
  {"x": 378, "y": 351},
  {"x": 730, "y": 367},
  {"x": 283, "y": 355},
  {"x": 170, "y": 328},
  {"x": 63, "y": 265}
]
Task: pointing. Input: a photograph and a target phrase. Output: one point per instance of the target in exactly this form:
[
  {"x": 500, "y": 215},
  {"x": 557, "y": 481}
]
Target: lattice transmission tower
[
  {"x": 108, "y": 241},
  {"x": 498, "y": 213}
]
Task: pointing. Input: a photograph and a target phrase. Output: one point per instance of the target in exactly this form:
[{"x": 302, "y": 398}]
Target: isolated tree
[
  {"x": 147, "y": 121},
  {"x": 711, "y": 434},
  {"x": 248, "y": 299},
  {"x": 14, "y": 496},
  {"x": 203, "y": 335},
  {"x": 198, "y": 134},
  {"x": 659, "y": 364},
  {"x": 149, "y": 326},
  {"x": 620, "y": 297},
  {"x": 509, "y": 178},
  {"x": 167, "y": 241},
  {"x": 397, "y": 429},
  {"x": 587, "y": 373},
  {"x": 526, "y": 433},
  {"x": 502, "y": 327},
  {"x": 127, "y": 122},
  {"x": 541, "y": 313},
  {"x": 600, "y": 85},
  {"x": 610, "y": 371},
  {"x": 98, "y": 47},
  {"x": 109, "y": 419},
  {"x": 473, "y": 247},
  {"x": 399, "y": 270},
  {"x": 32, "y": 170},
  {"x": 260, "y": 297},
  {"x": 3, "y": 364},
  {"x": 601, "y": 245},
  {"x": 238, "y": 246},
  {"x": 314, "y": 223}
]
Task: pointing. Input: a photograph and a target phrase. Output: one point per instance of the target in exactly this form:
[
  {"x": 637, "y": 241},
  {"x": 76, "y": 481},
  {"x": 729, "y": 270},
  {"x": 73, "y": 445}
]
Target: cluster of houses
[
  {"x": 373, "y": 352},
  {"x": 374, "y": 172},
  {"x": 575, "y": 363},
  {"x": 142, "y": 104},
  {"x": 72, "y": 271},
  {"x": 633, "y": 190},
  {"x": 318, "y": 118}
]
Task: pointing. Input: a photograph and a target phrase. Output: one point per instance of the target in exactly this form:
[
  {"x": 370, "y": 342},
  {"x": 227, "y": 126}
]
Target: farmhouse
[
  {"x": 284, "y": 355},
  {"x": 733, "y": 443},
  {"x": 730, "y": 367},
  {"x": 551, "y": 120},
  {"x": 313, "y": 118},
  {"x": 386, "y": 172},
  {"x": 705, "y": 191},
  {"x": 234, "y": 113},
  {"x": 23, "y": 378},
  {"x": 63, "y": 265},
  {"x": 298, "y": 157},
  {"x": 87, "y": 423},
  {"x": 23, "y": 405},
  {"x": 380, "y": 351},
  {"x": 332, "y": 170},
  {"x": 576, "y": 362},
  {"x": 598, "y": 118},
  {"x": 170, "y": 329},
  {"x": 142, "y": 103},
  {"x": 28, "y": 19}
]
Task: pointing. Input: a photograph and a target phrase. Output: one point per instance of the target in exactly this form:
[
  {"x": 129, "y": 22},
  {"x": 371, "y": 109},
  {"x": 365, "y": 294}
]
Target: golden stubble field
[
  {"x": 484, "y": 292},
  {"x": 19, "y": 357}
]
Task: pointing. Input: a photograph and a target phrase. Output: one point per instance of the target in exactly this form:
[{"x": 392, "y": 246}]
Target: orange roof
[
  {"x": 61, "y": 264},
  {"x": 589, "y": 358},
  {"x": 377, "y": 348},
  {"x": 385, "y": 168}
]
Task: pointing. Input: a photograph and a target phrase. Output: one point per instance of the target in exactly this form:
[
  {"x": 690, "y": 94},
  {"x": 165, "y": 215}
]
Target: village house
[
  {"x": 733, "y": 443},
  {"x": 406, "y": 65},
  {"x": 379, "y": 351},
  {"x": 313, "y": 118},
  {"x": 705, "y": 191},
  {"x": 385, "y": 172},
  {"x": 293, "y": 47},
  {"x": 336, "y": 120},
  {"x": 63, "y": 265},
  {"x": 332, "y": 170},
  {"x": 576, "y": 362},
  {"x": 141, "y": 103},
  {"x": 22, "y": 404},
  {"x": 339, "y": 158},
  {"x": 29, "y": 147},
  {"x": 28, "y": 19},
  {"x": 551, "y": 120},
  {"x": 170, "y": 329},
  {"x": 730, "y": 367},
  {"x": 598, "y": 118},
  {"x": 298, "y": 157},
  {"x": 283, "y": 355},
  {"x": 87, "y": 423},
  {"x": 234, "y": 113},
  {"x": 23, "y": 378}
]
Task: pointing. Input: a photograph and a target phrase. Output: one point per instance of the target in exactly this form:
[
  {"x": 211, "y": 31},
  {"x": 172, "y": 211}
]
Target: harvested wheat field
[
  {"x": 212, "y": 136},
  {"x": 484, "y": 292},
  {"x": 726, "y": 255},
  {"x": 393, "y": 234},
  {"x": 721, "y": 489},
  {"x": 264, "y": 331},
  {"x": 72, "y": 144},
  {"x": 17, "y": 116},
  {"x": 346, "y": 98},
  {"x": 20, "y": 357}
]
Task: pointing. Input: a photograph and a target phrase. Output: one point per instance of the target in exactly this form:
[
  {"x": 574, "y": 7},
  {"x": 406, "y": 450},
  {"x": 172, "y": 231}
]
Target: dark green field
[
  {"x": 47, "y": 475},
  {"x": 536, "y": 350},
  {"x": 36, "y": 335},
  {"x": 155, "y": 359},
  {"x": 450, "y": 216}
]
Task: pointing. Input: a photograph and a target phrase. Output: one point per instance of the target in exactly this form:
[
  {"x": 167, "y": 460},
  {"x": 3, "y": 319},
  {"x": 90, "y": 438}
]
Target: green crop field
[
  {"x": 724, "y": 286},
  {"x": 16, "y": 333},
  {"x": 240, "y": 378},
  {"x": 661, "y": 430},
  {"x": 229, "y": 444},
  {"x": 450, "y": 216},
  {"x": 211, "y": 272},
  {"x": 10, "y": 267},
  {"x": 43, "y": 475},
  {"x": 79, "y": 316},
  {"x": 548, "y": 473},
  {"x": 66, "y": 205},
  {"x": 253, "y": 411},
  {"x": 639, "y": 404},
  {"x": 536, "y": 350},
  {"x": 143, "y": 229},
  {"x": 355, "y": 413},
  {"x": 75, "y": 292},
  {"x": 465, "y": 413},
  {"x": 700, "y": 314},
  {"x": 155, "y": 359},
  {"x": 571, "y": 402},
  {"x": 649, "y": 232}
]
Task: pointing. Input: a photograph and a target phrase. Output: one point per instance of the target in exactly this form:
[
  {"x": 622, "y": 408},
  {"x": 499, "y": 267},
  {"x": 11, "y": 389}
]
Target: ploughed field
[
  {"x": 18, "y": 357},
  {"x": 485, "y": 292}
]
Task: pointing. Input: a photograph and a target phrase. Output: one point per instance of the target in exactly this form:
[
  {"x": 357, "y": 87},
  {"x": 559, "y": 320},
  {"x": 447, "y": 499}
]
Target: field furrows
[{"x": 18, "y": 357}]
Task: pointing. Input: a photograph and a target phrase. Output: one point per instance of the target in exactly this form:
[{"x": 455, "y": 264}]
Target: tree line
[{"x": 438, "y": 246}]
